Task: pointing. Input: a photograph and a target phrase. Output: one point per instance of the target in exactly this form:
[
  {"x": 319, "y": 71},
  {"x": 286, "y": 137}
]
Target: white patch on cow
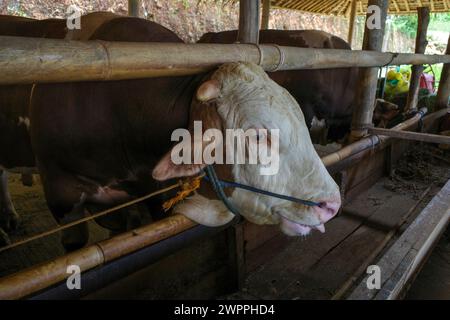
[
  {"x": 25, "y": 121},
  {"x": 108, "y": 195},
  {"x": 211, "y": 213},
  {"x": 316, "y": 123}
]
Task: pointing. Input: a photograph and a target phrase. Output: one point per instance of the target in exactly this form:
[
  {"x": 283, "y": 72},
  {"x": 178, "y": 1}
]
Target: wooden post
[
  {"x": 421, "y": 44},
  {"x": 444, "y": 85},
  {"x": 368, "y": 77},
  {"x": 133, "y": 8},
  {"x": 266, "y": 15},
  {"x": 248, "y": 21},
  {"x": 351, "y": 26}
]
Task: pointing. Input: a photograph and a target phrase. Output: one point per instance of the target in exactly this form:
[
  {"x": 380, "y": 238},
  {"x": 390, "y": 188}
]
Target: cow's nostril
[{"x": 327, "y": 210}]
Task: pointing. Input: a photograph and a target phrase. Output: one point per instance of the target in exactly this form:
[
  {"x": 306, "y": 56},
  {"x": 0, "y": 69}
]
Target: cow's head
[{"x": 242, "y": 96}]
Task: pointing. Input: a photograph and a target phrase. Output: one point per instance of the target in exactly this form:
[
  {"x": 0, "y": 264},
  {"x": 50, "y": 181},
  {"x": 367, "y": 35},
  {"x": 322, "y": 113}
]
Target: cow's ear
[
  {"x": 166, "y": 169},
  {"x": 208, "y": 90}
]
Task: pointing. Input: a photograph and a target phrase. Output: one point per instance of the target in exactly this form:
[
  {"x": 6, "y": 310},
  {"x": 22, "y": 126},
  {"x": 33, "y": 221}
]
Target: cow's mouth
[{"x": 294, "y": 229}]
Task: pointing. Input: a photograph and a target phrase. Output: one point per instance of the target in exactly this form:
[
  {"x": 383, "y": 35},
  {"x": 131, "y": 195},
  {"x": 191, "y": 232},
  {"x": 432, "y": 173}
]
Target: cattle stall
[{"x": 392, "y": 227}]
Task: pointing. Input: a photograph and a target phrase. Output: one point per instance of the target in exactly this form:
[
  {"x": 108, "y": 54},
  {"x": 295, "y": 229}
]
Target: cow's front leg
[
  {"x": 77, "y": 236},
  {"x": 27, "y": 179},
  {"x": 4, "y": 239},
  {"x": 9, "y": 219}
]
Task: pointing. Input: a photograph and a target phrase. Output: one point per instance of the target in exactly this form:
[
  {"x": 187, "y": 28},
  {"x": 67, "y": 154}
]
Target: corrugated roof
[{"x": 342, "y": 7}]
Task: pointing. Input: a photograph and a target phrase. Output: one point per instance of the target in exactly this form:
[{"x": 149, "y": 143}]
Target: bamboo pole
[
  {"x": 34, "y": 60},
  {"x": 31, "y": 280},
  {"x": 421, "y": 44},
  {"x": 248, "y": 21},
  {"x": 265, "y": 15},
  {"x": 351, "y": 27},
  {"x": 415, "y": 136},
  {"x": 133, "y": 8},
  {"x": 368, "y": 77},
  {"x": 444, "y": 85}
]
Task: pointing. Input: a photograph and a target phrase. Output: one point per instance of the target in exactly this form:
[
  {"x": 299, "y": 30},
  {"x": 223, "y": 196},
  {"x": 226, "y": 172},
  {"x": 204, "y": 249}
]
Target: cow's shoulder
[
  {"x": 229, "y": 36},
  {"x": 135, "y": 30}
]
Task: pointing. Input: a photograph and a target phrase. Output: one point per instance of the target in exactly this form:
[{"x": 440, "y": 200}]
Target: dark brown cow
[
  {"x": 100, "y": 143},
  {"x": 85, "y": 123},
  {"x": 325, "y": 94},
  {"x": 15, "y": 143}
]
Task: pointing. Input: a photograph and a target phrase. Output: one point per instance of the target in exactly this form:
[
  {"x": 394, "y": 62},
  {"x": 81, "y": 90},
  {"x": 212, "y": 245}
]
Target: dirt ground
[{"x": 35, "y": 218}]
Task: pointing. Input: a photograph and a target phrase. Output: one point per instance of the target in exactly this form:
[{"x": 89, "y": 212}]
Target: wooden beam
[
  {"x": 408, "y": 135},
  {"x": 35, "y": 60},
  {"x": 265, "y": 15},
  {"x": 421, "y": 43},
  {"x": 368, "y": 78},
  {"x": 404, "y": 258},
  {"x": 133, "y": 8},
  {"x": 351, "y": 22},
  {"x": 444, "y": 85},
  {"x": 248, "y": 21},
  {"x": 31, "y": 280}
]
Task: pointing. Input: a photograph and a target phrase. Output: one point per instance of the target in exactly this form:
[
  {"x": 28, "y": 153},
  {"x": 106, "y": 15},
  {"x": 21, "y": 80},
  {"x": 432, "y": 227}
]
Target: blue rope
[{"x": 218, "y": 184}]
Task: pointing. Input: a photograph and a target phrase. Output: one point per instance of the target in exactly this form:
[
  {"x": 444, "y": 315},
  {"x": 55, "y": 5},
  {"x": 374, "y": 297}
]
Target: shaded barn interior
[{"x": 387, "y": 184}]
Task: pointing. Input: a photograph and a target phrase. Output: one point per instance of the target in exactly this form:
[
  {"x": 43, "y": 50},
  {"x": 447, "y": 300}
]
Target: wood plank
[
  {"x": 333, "y": 270},
  {"x": 273, "y": 278},
  {"x": 408, "y": 135},
  {"x": 403, "y": 258},
  {"x": 363, "y": 267},
  {"x": 236, "y": 262},
  {"x": 259, "y": 256}
]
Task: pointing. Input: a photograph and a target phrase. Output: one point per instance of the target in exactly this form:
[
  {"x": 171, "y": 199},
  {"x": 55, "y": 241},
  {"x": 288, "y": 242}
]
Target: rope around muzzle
[{"x": 219, "y": 184}]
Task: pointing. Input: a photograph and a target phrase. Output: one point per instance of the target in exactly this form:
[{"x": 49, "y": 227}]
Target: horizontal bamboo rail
[
  {"x": 34, "y": 60},
  {"x": 407, "y": 135},
  {"x": 36, "y": 278}
]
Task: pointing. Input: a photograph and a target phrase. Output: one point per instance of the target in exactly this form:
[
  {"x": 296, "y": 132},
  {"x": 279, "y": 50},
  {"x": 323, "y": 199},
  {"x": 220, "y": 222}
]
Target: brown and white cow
[
  {"x": 15, "y": 146},
  {"x": 102, "y": 143}
]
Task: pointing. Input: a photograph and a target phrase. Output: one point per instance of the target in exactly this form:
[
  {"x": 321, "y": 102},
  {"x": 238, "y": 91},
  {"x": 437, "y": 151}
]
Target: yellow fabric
[{"x": 188, "y": 186}]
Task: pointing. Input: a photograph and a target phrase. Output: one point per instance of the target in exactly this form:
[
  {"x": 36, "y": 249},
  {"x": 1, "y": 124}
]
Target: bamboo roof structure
[{"x": 343, "y": 7}]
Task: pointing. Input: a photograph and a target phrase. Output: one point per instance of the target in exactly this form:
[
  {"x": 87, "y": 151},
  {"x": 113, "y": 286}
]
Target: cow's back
[
  {"x": 25, "y": 27},
  {"x": 106, "y": 129}
]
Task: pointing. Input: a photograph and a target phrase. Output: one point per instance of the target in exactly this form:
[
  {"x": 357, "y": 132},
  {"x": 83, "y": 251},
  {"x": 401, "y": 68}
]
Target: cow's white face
[{"x": 246, "y": 98}]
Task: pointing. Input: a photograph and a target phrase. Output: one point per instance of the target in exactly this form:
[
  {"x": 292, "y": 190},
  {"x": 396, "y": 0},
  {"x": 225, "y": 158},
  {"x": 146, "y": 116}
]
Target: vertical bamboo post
[
  {"x": 366, "y": 91},
  {"x": 266, "y": 15},
  {"x": 351, "y": 26},
  {"x": 133, "y": 8},
  {"x": 248, "y": 21},
  {"x": 421, "y": 44},
  {"x": 444, "y": 85},
  {"x": 248, "y": 33}
]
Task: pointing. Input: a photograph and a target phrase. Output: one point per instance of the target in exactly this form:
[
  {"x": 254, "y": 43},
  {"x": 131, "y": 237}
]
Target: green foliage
[
  {"x": 440, "y": 22},
  {"x": 407, "y": 24}
]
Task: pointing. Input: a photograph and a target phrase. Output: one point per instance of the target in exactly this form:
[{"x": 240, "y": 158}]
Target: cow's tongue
[
  {"x": 298, "y": 228},
  {"x": 320, "y": 227}
]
